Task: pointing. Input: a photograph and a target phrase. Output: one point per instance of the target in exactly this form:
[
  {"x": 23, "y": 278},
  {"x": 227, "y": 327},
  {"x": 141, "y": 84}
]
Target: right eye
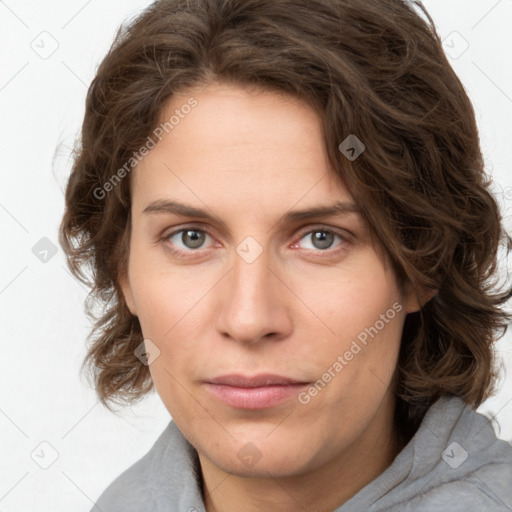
[{"x": 187, "y": 240}]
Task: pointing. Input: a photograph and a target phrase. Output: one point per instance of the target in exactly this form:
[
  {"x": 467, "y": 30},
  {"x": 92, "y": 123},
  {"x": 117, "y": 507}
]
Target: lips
[
  {"x": 257, "y": 392},
  {"x": 242, "y": 381}
]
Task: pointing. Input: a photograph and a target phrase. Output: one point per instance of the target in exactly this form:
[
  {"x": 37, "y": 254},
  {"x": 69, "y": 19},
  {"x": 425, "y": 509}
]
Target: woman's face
[{"x": 274, "y": 325}]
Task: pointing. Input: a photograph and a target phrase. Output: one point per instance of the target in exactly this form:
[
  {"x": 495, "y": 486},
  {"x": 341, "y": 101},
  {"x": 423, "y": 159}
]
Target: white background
[{"x": 42, "y": 317}]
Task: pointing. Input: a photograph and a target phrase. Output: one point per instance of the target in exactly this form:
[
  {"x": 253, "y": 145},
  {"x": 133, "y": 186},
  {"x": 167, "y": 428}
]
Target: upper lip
[{"x": 243, "y": 381}]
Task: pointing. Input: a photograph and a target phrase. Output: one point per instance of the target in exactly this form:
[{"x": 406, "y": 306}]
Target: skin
[{"x": 248, "y": 158}]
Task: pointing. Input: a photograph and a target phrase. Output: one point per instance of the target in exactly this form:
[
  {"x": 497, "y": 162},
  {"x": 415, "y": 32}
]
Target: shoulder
[
  {"x": 464, "y": 466},
  {"x": 164, "y": 477},
  {"x": 128, "y": 490},
  {"x": 488, "y": 489}
]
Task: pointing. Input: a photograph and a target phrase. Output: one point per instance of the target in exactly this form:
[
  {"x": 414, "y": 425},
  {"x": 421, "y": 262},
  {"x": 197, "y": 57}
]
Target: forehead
[{"x": 239, "y": 147}]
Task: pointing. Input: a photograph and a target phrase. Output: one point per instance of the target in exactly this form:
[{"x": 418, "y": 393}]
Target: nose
[{"x": 253, "y": 303}]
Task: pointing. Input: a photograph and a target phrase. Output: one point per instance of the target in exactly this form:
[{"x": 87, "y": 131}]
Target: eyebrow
[{"x": 339, "y": 208}]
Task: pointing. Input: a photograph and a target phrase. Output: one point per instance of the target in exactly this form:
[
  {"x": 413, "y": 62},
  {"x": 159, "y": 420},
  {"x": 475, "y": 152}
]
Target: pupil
[
  {"x": 322, "y": 239},
  {"x": 192, "y": 239}
]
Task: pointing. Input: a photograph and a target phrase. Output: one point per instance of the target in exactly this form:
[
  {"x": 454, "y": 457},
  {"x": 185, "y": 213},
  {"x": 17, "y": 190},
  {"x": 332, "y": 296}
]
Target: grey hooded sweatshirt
[{"x": 453, "y": 463}]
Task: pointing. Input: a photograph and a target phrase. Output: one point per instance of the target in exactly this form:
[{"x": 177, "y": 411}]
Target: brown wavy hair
[{"x": 373, "y": 68}]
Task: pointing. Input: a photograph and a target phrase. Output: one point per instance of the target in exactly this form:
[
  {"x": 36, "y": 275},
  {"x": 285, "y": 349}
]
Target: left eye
[{"x": 321, "y": 239}]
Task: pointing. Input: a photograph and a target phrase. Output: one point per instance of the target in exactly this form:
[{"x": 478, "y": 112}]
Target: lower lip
[{"x": 254, "y": 398}]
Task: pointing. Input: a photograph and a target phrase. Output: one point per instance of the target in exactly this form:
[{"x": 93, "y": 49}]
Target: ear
[
  {"x": 414, "y": 300},
  {"x": 124, "y": 284}
]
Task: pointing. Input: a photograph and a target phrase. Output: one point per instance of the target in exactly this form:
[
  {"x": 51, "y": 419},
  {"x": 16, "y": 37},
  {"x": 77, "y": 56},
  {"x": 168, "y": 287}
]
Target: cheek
[
  {"x": 356, "y": 300},
  {"x": 157, "y": 305},
  {"x": 167, "y": 319},
  {"x": 362, "y": 317},
  {"x": 170, "y": 306},
  {"x": 165, "y": 295}
]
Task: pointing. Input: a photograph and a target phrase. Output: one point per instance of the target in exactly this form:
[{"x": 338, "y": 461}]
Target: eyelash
[{"x": 326, "y": 252}]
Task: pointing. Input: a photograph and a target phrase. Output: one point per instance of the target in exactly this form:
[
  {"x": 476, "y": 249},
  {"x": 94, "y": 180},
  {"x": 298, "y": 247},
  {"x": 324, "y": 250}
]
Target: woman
[{"x": 285, "y": 212}]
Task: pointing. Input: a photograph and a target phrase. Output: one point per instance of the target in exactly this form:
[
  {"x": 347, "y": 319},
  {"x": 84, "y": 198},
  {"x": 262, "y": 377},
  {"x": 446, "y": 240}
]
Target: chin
[
  {"x": 260, "y": 455},
  {"x": 278, "y": 465}
]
